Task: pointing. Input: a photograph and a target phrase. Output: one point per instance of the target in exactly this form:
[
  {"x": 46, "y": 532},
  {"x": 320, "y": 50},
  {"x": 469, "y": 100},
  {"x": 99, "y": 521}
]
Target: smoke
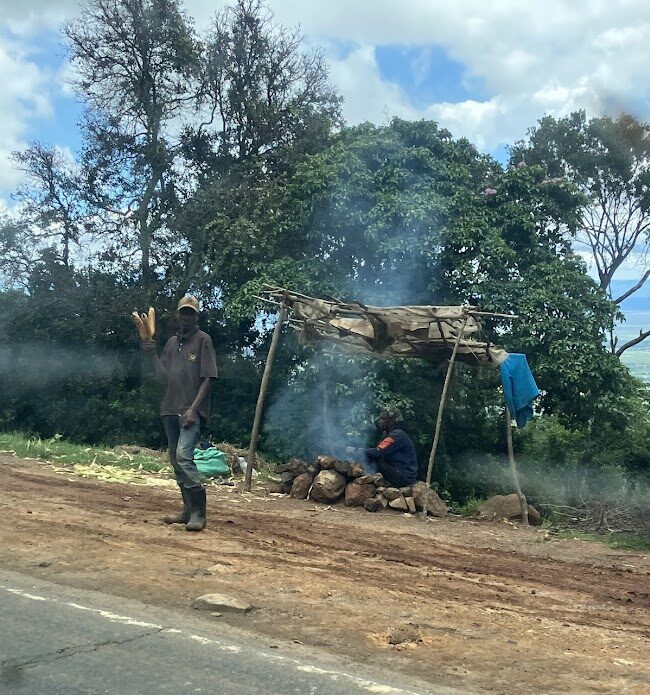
[
  {"x": 565, "y": 484},
  {"x": 327, "y": 405},
  {"x": 332, "y": 399},
  {"x": 36, "y": 364}
]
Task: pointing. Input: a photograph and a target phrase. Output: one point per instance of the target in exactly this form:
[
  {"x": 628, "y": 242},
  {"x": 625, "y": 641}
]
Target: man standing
[
  {"x": 188, "y": 366},
  {"x": 394, "y": 456}
]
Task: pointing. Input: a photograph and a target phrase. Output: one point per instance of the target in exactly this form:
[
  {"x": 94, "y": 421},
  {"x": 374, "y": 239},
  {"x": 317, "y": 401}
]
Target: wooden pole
[
  {"x": 441, "y": 407},
  {"x": 513, "y": 469},
  {"x": 259, "y": 408},
  {"x": 326, "y": 414}
]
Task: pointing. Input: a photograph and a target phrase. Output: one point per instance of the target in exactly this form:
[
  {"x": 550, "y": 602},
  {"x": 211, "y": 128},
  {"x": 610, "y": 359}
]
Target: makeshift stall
[{"x": 433, "y": 333}]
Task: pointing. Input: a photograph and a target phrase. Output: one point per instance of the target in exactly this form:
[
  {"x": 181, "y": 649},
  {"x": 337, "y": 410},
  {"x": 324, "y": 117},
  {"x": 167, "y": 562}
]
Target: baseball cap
[{"x": 190, "y": 302}]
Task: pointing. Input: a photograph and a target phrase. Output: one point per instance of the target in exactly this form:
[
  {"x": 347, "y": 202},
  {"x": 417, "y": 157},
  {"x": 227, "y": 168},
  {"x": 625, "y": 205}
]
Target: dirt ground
[{"x": 500, "y": 609}]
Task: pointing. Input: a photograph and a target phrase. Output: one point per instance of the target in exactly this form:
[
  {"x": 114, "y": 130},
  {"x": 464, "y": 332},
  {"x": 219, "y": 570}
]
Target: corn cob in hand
[
  {"x": 145, "y": 324},
  {"x": 143, "y": 331}
]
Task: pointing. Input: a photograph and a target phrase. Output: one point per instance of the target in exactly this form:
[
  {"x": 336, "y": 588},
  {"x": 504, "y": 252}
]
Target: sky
[{"x": 484, "y": 70}]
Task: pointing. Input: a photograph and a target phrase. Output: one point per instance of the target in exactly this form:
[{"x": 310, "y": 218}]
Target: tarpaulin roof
[{"x": 427, "y": 332}]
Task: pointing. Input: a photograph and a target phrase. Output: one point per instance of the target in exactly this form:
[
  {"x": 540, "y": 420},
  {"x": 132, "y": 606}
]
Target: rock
[
  {"x": 374, "y": 504},
  {"x": 328, "y": 486},
  {"x": 298, "y": 465},
  {"x": 410, "y": 503},
  {"x": 301, "y": 485},
  {"x": 382, "y": 500},
  {"x": 391, "y": 493},
  {"x": 406, "y": 633},
  {"x": 342, "y": 467},
  {"x": 202, "y": 572},
  {"x": 435, "y": 506},
  {"x": 356, "y": 495},
  {"x": 507, "y": 507},
  {"x": 407, "y": 491},
  {"x": 356, "y": 470},
  {"x": 374, "y": 478},
  {"x": 399, "y": 503},
  {"x": 275, "y": 487},
  {"x": 221, "y": 567},
  {"x": 294, "y": 466},
  {"x": 287, "y": 477},
  {"x": 222, "y": 603},
  {"x": 327, "y": 463},
  {"x": 313, "y": 469},
  {"x": 286, "y": 487}
]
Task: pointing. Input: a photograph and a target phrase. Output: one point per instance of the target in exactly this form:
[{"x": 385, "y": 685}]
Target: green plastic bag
[{"x": 211, "y": 462}]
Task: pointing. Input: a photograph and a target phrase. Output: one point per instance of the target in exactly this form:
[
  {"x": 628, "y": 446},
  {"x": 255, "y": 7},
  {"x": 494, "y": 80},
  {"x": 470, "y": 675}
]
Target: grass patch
[
  {"x": 618, "y": 541},
  {"x": 470, "y": 507},
  {"x": 63, "y": 453}
]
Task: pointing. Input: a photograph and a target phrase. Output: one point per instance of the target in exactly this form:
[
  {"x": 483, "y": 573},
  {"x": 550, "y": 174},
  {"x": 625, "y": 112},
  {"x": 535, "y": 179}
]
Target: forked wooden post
[
  {"x": 441, "y": 408},
  {"x": 259, "y": 408},
  {"x": 513, "y": 469}
]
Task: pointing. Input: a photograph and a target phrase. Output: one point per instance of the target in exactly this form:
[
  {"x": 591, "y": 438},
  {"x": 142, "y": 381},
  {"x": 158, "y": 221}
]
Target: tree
[
  {"x": 135, "y": 64},
  {"x": 50, "y": 201},
  {"x": 406, "y": 214},
  {"x": 264, "y": 91},
  {"x": 268, "y": 103},
  {"x": 609, "y": 161},
  {"x": 16, "y": 252},
  {"x": 50, "y": 219}
]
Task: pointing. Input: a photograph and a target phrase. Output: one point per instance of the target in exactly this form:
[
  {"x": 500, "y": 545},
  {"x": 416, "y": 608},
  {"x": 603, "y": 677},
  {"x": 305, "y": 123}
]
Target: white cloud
[
  {"x": 531, "y": 58},
  {"x": 481, "y": 121},
  {"x": 34, "y": 15},
  {"x": 367, "y": 96},
  {"x": 24, "y": 96}
]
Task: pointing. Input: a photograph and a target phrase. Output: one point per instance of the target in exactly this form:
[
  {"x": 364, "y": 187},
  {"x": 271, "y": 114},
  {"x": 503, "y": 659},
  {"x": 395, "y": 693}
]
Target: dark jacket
[{"x": 397, "y": 449}]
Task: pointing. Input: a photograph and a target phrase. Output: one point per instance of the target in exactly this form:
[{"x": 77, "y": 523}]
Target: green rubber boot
[
  {"x": 197, "y": 509},
  {"x": 184, "y": 516}
]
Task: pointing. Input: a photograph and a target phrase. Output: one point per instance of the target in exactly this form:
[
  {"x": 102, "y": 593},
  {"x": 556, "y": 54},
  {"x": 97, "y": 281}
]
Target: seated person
[{"x": 394, "y": 456}]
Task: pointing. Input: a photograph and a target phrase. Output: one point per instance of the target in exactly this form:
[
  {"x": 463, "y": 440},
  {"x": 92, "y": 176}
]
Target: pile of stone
[{"x": 330, "y": 480}]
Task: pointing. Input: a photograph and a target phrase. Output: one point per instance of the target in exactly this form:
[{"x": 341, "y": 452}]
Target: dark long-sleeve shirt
[{"x": 397, "y": 449}]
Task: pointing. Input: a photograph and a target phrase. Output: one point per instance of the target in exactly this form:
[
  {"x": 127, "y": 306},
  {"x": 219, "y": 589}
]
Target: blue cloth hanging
[{"x": 519, "y": 387}]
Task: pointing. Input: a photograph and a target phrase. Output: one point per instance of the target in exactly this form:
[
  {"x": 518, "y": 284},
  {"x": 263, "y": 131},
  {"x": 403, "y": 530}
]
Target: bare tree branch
[
  {"x": 633, "y": 289},
  {"x": 631, "y": 343}
]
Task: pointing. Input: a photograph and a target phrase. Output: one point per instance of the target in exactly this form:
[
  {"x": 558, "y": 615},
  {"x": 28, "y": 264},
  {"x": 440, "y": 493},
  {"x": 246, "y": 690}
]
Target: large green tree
[
  {"x": 408, "y": 214},
  {"x": 609, "y": 161}
]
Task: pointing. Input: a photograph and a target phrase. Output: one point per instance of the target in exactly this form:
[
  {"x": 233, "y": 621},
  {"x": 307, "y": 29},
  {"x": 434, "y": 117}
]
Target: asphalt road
[{"x": 56, "y": 640}]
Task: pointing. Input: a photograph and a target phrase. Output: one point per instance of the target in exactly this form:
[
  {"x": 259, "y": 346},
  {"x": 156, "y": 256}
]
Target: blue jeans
[{"x": 182, "y": 442}]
